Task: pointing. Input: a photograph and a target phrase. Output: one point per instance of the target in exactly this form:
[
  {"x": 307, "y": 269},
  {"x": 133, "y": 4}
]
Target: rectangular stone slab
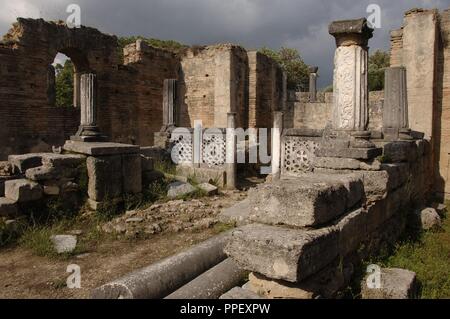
[
  {"x": 355, "y": 153},
  {"x": 304, "y": 201},
  {"x": 282, "y": 253},
  {"x": 99, "y": 148}
]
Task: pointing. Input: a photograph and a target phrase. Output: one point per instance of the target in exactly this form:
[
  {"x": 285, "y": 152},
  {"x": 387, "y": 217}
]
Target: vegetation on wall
[
  {"x": 292, "y": 63},
  {"x": 64, "y": 84},
  {"x": 169, "y": 45}
]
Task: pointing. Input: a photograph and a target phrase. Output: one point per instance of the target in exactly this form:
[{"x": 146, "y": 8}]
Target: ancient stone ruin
[{"x": 344, "y": 169}]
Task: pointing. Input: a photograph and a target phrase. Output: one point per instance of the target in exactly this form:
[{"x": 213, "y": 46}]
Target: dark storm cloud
[{"x": 252, "y": 23}]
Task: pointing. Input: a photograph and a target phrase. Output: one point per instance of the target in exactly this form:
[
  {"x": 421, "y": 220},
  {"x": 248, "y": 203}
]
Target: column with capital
[{"x": 351, "y": 94}]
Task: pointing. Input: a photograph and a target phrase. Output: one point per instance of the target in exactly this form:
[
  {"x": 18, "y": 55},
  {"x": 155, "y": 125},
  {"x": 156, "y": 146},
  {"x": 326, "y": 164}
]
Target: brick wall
[
  {"x": 265, "y": 91},
  {"x": 214, "y": 80}
]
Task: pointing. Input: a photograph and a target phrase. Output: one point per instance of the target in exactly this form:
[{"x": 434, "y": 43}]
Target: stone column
[
  {"x": 231, "y": 165},
  {"x": 276, "y": 144},
  {"x": 313, "y": 83},
  {"x": 76, "y": 89},
  {"x": 395, "y": 109},
  {"x": 169, "y": 104},
  {"x": 88, "y": 130},
  {"x": 350, "y": 108}
]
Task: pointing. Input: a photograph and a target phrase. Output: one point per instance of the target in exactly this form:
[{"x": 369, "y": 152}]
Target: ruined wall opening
[
  {"x": 61, "y": 82},
  {"x": 63, "y": 78}
]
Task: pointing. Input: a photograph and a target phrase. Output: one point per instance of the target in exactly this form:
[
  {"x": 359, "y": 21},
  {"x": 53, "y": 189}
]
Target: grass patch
[
  {"x": 429, "y": 258},
  {"x": 425, "y": 253},
  {"x": 223, "y": 227},
  {"x": 166, "y": 167},
  {"x": 37, "y": 238}
]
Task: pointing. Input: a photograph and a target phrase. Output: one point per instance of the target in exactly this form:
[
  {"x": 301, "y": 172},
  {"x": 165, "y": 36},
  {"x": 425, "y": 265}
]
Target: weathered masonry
[
  {"x": 421, "y": 46},
  {"x": 209, "y": 83}
]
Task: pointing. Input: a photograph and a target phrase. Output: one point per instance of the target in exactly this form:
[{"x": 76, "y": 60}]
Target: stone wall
[
  {"x": 129, "y": 96},
  {"x": 301, "y": 114},
  {"x": 426, "y": 60},
  {"x": 142, "y": 95},
  {"x": 213, "y": 82},
  {"x": 266, "y": 87}
]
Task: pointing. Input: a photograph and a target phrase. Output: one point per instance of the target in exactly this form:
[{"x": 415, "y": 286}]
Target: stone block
[
  {"x": 238, "y": 214},
  {"x": 401, "y": 151},
  {"x": 337, "y": 163},
  {"x": 64, "y": 243},
  {"x": 281, "y": 253},
  {"x": 46, "y": 173},
  {"x": 355, "y": 153},
  {"x": 209, "y": 189},
  {"x": 240, "y": 294},
  {"x": 308, "y": 200},
  {"x": 275, "y": 289},
  {"x": 23, "y": 190},
  {"x": 6, "y": 169},
  {"x": 8, "y": 207},
  {"x": 352, "y": 231},
  {"x": 395, "y": 284},
  {"x": 178, "y": 189},
  {"x": 147, "y": 163},
  {"x": 428, "y": 219},
  {"x": 132, "y": 173},
  {"x": 3, "y": 179},
  {"x": 21, "y": 163},
  {"x": 100, "y": 148},
  {"x": 105, "y": 178},
  {"x": 62, "y": 160}
]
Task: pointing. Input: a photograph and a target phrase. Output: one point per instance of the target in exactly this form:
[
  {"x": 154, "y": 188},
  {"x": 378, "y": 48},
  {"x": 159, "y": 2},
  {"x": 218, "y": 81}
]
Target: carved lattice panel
[
  {"x": 299, "y": 155},
  {"x": 214, "y": 150},
  {"x": 181, "y": 148}
]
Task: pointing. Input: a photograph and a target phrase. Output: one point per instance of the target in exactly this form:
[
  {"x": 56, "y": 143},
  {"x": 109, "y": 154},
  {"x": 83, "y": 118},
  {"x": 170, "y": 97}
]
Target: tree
[
  {"x": 378, "y": 61},
  {"x": 64, "y": 84},
  {"x": 292, "y": 63}
]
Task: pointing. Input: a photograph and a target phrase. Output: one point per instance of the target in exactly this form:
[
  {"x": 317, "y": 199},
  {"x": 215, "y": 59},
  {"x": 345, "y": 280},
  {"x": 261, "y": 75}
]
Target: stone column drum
[
  {"x": 88, "y": 130},
  {"x": 313, "y": 83},
  {"x": 169, "y": 104},
  {"x": 350, "y": 108},
  {"x": 395, "y": 109}
]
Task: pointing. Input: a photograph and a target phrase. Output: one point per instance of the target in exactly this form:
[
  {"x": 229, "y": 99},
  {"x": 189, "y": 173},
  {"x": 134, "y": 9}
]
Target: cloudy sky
[{"x": 300, "y": 24}]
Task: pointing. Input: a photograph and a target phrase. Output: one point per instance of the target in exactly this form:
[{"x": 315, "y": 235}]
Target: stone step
[
  {"x": 305, "y": 201},
  {"x": 8, "y": 207},
  {"x": 281, "y": 253},
  {"x": 23, "y": 190}
]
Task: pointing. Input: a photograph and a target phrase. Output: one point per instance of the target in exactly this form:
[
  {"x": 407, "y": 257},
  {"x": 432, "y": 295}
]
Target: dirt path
[{"x": 24, "y": 275}]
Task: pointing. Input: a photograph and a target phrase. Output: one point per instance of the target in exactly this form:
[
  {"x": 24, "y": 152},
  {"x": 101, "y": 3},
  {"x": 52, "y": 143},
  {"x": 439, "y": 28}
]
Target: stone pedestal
[
  {"x": 350, "y": 108},
  {"x": 113, "y": 169},
  {"x": 395, "y": 110},
  {"x": 88, "y": 130}
]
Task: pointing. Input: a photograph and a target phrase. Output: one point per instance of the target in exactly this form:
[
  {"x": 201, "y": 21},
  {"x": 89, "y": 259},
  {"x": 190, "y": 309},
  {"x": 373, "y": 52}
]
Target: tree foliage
[
  {"x": 378, "y": 61},
  {"x": 64, "y": 84},
  {"x": 292, "y": 63}
]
